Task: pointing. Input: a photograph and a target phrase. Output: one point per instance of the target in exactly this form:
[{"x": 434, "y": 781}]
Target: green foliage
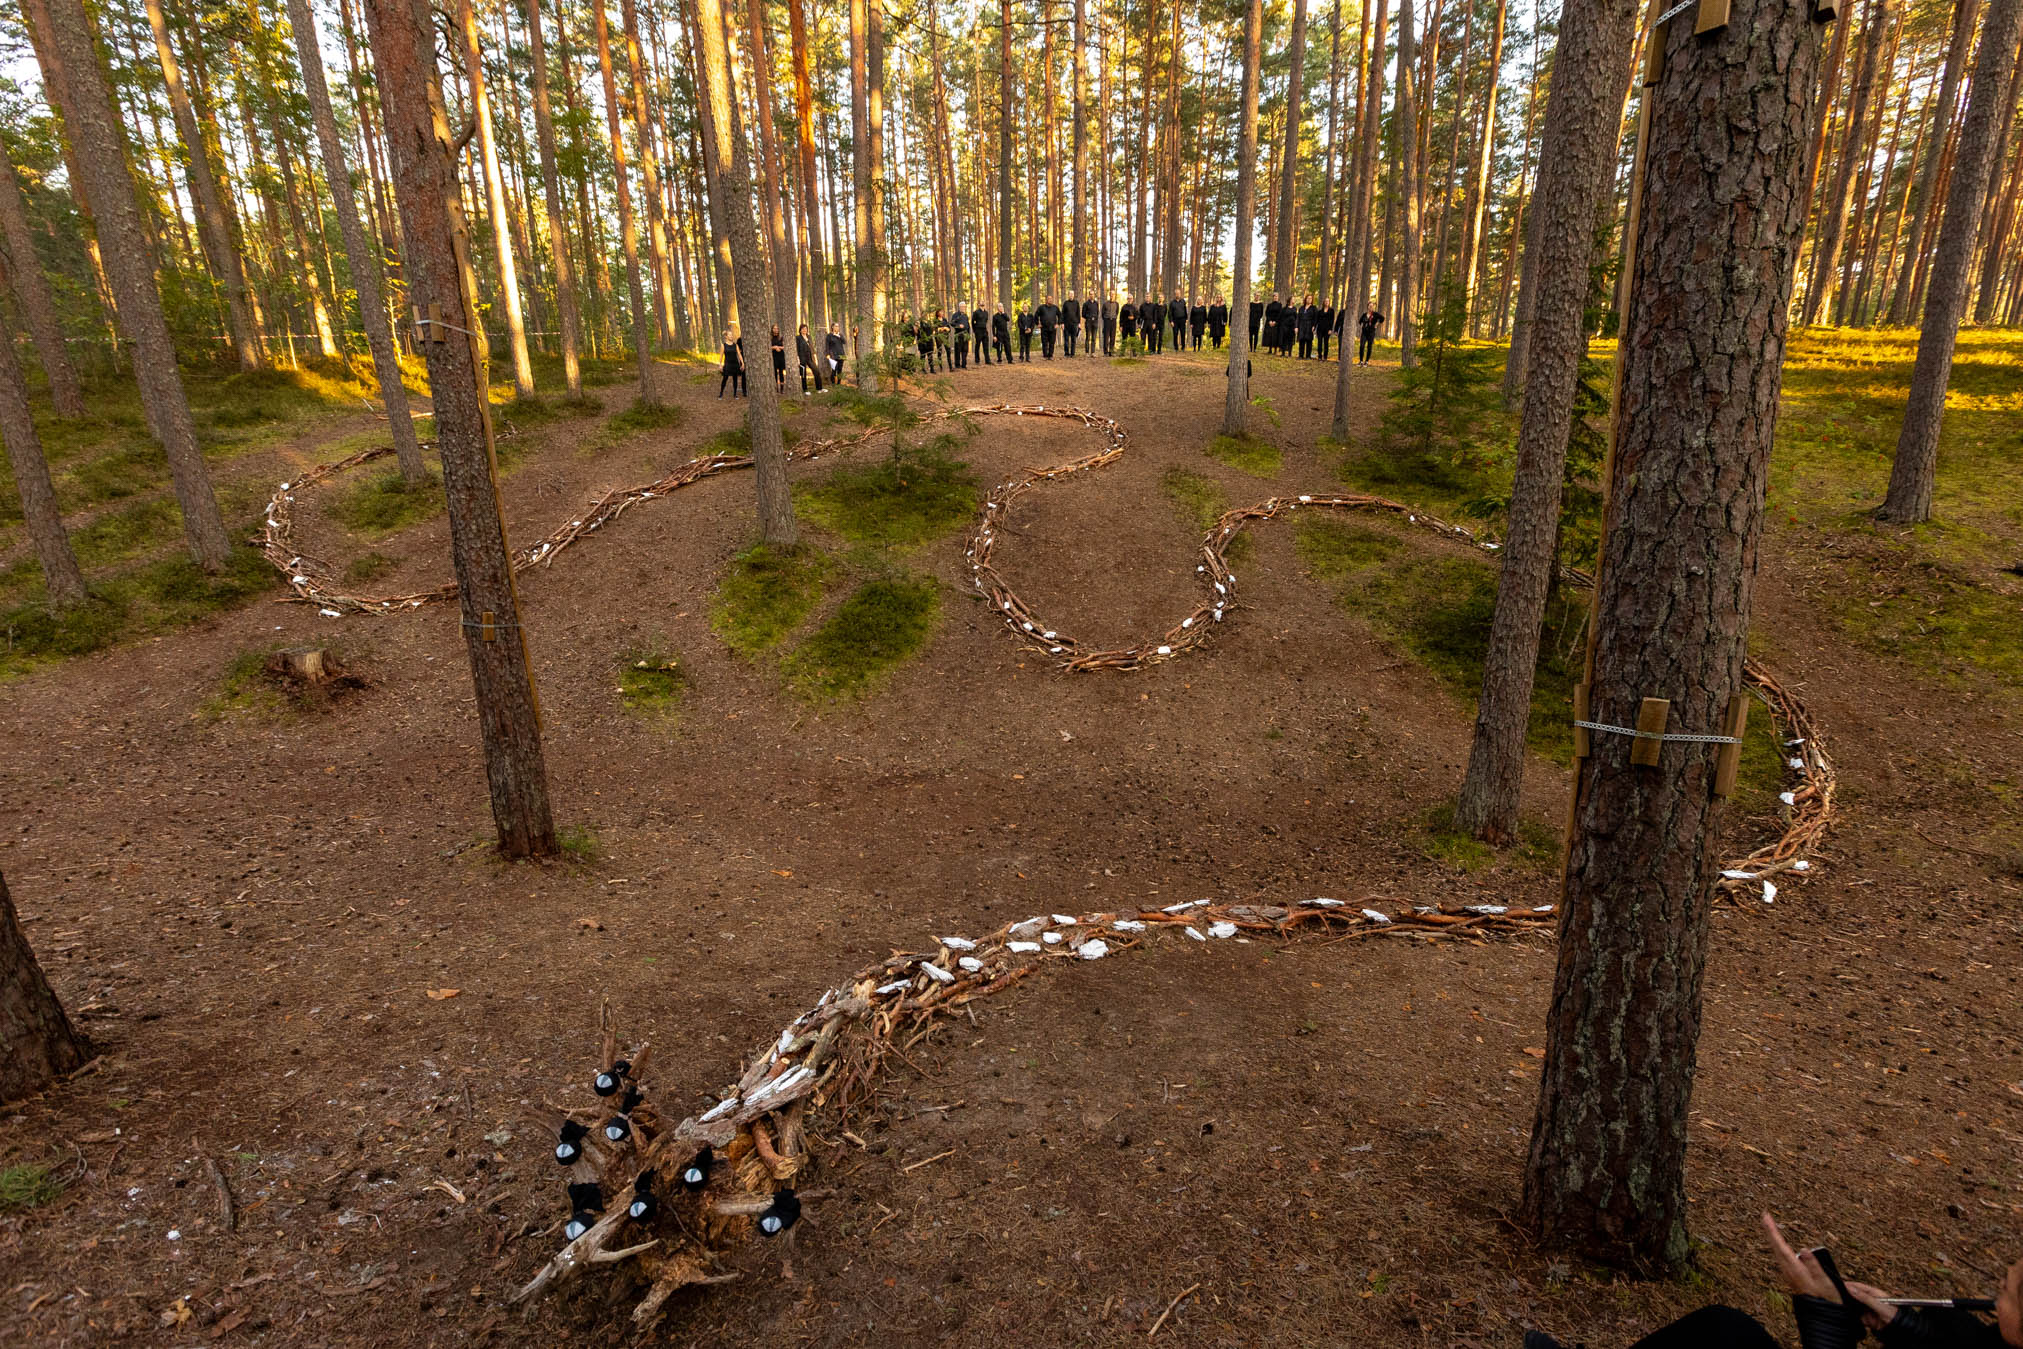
[
  {"x": 903, "y": 502},
  {"x": 138, "y": 603},
  {"x": 535, "y": 410},
  {"x": 28, "y": 1185},
  {"x": 244, "y": 687},
  {"x": 881, "y": 624},
  {"x": 129, "y": 532},
  {"x": 1438, "y": 406},
  {"x": 1259, "y": 458},
  {"x": 767, "y": 594},
  {"x": 378, "y": 505},
  {"x": 1200, "y": 501},
  {"x": 1439, "y": 841},
  {"x": 579, "y": 843},
  {"x": 650, "y": 681}
]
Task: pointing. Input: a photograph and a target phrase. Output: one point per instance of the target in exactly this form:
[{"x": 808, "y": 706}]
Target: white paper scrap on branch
[
  {"x": 1325, "y": 903},
  {"x": 1488, "y": 909},
  {"x": 957, "y": 943},
  {"x": 1222, "y": 931},
  {"x": 1093, "y": 949},
  {"x": 719, "y": 1110},
  {"x": 1128, "y": 925},
  {"x": 1194, "y": 933},
  {"x": 896, "y": 986},
  {"x": 1770, "y": 892},
  {"x": 969, "y": 964},
  {"x": 936, "y": 973},
  {"x": 1376, "y": 917},
  {"x": 1051, "y": 938},
  {"x": 1022, "y": 947},
  {"x": 1063, "y": 920}
]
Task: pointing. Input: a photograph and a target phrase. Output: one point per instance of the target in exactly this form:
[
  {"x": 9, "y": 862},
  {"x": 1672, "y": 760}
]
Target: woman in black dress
[
  {"x": 779, "y": 361},
  {"x": 733, "y": 375}
]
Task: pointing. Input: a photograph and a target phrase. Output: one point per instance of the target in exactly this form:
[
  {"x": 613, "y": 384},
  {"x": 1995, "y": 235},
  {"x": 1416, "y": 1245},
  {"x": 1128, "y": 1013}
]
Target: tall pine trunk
[
  {"x": 863, "y": 109},
  {"x": 804, "y": 123},
  {"x": 1485, "y": 156},
  {"x": 1915, "y": 471},
  {"x": 1590, "y": 69},
  {"x": 366, "y": 278},
  {"x": 495, "y": 203},
  {"x": 440, "y": 284},
  {"x": 1283, "y": 259},
  {"x": 1721, "y": 216},
  {"x": 1406, "y": 120},
  {"x": 99, "y": 147},
  {"x": 37, "y": 1042},
  {"x": 628, "y": 230},
  {"x": 551, "y": 195},
  {"x": 62, "y": 581},
  {"x": 1832, "y": 225},
  {"x": 1236, "y": 400},
  {"x": 31, "y": 292},
  {"x": 1958, "y": 47}
]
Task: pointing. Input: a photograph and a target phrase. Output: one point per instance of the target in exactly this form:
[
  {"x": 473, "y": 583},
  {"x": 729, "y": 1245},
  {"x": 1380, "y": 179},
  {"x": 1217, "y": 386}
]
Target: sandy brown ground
[{"x": 1320, "y": 1140}]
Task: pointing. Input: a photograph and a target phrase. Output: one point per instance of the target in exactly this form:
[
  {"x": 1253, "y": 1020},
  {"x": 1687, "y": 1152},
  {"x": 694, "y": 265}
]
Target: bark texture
[
  {"x": 1723, "y": 209},
  {"x": 37, "y": 1042},
  {"x": 439, "y": 279},
  {"x": 366, "y": 277},
  {"x": 1284, "y": 239},
  {"x": 495, "y": 203},
  {"x": 628, "y": 228},
  {"x": 1916, "y": 469},
  {"x": 61, "y": 578},
  {"x": 1236, "y": 403},
  {"x": 1590, "y": 71},
  {"x": 36, "y": 300},
  {"x": 1853, "y": 155},
  {"x": 551, "y": 195},
  {"x": 1957, "y": 48}
]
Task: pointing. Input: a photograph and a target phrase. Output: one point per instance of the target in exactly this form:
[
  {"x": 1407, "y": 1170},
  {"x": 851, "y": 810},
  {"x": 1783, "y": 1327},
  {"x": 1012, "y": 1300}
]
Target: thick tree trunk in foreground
[
  {"x": 551, "y": 194},
  {"x": 36, "y": 300},
  {"x": 212, "y": 231},
  {"x": 1589, "y": 72},
  {"x": 1236, "y": 403},
  {"x": 1284, "y": 263},
  {"x": 98, "y": 141},
  {"x": 364, "y": 257},
  {"x": 748, "y": 268},
  {"x": 1915, "y": 472},
  {"x": 60, "y": 575},
  {"x": 1722, "y": 213},
  {"x": 37, "y": 1042},
  {"x": 439, "y": 283},
  {"x": 495, "y": 203}
]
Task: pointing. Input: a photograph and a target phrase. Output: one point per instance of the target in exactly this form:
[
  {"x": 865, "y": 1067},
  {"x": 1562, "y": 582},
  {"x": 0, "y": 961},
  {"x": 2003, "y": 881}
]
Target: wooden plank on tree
[
  {"x": 1733, "y": 723},
  {"x": 1651, "y": 719},
  {"x": 1713, "y": 15}
]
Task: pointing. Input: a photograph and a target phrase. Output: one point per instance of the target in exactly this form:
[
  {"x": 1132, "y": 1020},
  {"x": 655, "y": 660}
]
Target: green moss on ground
[
  {"x": 766, "y": 594},
  {"x": 1259, "y": 458},
  {"x": 381, "y": 503},
  {"x": 882, "y": 623},
  {"x": 892, "y": 505},
  {"x": 1200, "y": 500},
  {"x": 650, "y": 681}
]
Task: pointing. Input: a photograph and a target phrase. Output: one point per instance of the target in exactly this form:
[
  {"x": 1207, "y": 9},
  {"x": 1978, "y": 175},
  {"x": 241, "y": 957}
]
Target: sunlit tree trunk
[
  {"x": 1854, "y": 142},
  {"x": 804, "y": 119},
  {"x": 1236, "y": 400},
  {"x": 495, "y": 202},
  {"x": 628, "y": 231},
  {"x": 363, "y": 257},
  {"x": 551, "y": 195},
  {"x": 1406, "y": 118},
  {"x": 1485, "y": 156},
  {"x": 1283, "y": 262},
  {"x": 1722, "y": 213},
  {"x": 32, "y": 294},
  {"x": 99, "y": 146},
  {"x": 1914, "y": 473},
  {"x": 2001, "y": 207},
  {"x": 62, "y": 581},
  {"x": 1937, "y": 129}
]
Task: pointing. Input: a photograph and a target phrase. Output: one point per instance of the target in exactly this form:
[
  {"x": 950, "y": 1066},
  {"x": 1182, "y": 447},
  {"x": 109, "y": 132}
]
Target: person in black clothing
[
  {"x": 979, "y": 325},
  {"x": 1176, "y": 315},
  {"x": 960, "y": 323},
  {"x": 923, "y": 338},
  {"x": 1366, "y": 334},
  {"x": 1000, "y": 335},
  {"x": 1304, "y": 328},
  {"x": 1325, "y": 329},
  {"x": 1071, "y": 322},
  {"x": 1152, "y": 315},
  {"x": 1256, "y": 316},
  {"x": 1826, "y": 1319},
  {"x": 1274, "y": 310},
  {"x": 804, "y": 351},
  {"x": 1127, "y": 320},
  {"x": 1109, "y": 326},
  {"x": 733, "y": 374},
  {"x": 1049, "y": 319},
  {"x": 1091, "y": 311},
  {"x": 1218, "y": 322},
  {"x": 1197, "y": 323},
  {"x": 836, "y": 348},
  {"x": 1026, "y": 323},
  {"x": 779, "y": 361}
]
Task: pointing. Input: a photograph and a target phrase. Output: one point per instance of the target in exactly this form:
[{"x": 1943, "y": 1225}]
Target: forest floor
[{"x": 281, "y": 926}]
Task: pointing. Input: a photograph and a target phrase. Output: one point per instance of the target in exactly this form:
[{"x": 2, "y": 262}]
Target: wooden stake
[
  {"x": 1652, "y": 716},
  {"x": 1734, "y": 722}
]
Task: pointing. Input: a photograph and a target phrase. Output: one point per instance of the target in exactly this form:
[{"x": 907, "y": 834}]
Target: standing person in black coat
[
  {"x": 960, "y": 325},
  {"x": 1026, "y": 324},
  {"x": 1090, "y": 312},
  {"x": 1176, "y": 316},
  {"x": 1000, "y": 335},
  {"x": 1110, "y": 326},
  {"x": 1049, "y": 318},
  {"x": 979, "y": 324},
  {"x": 1152, "y": 314},
  {"x": 1197, "y": 323},
  {"x": 1127, "y": 320},
  {"x": 1273, "y": 312},
  {"x": 1256, "y": 317},
  {"x": 1308, "y": 314},
  {"x": 1218, "y": 322},
  {"x": 1071, "y": 322},
  {"x": 1327, "y": 327},
  {"x": 779, "y": 361},
  {"x": 1366, "y": 334},
  {"x": 804, "y": 351},
  {"x": 732, "y": 375},
  {"x": 836, "y": 348}
]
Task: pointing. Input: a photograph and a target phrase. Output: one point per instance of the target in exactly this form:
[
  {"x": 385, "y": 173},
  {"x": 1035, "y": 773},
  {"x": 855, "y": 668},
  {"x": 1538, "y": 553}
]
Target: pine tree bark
[
  {"x": 1995, "y": 219},
  {"x": 1914, "y": 473},
  {"x": 1169, "y": 268},
  {"x": 99, "y": 144},
  {"x": 1325, "y": 283},
  {"x": 649, "y": 178},
  {"x": 1284, "y": 262},
  {"x": 628, "y": 230},
  {"x": 38, "y": 1044},
  {"x": 1077, "y": 270},
  {"x": 864, "y": 171},
  {"x": 1958, "y": 48},
  {"x": 1004, "y": 148},
  {"x": 1722, "y": 214},
  {"x": 33, "y": 296},
  {"x": 551, "y": 196},
  {"x": 784, "y": 280},
  {"x": 366, "y": 277},
  {"x": 1356, "y": 295},
  {"x": 1590, "y": 70},
  {"x": 748, "y": 268},
  {"x": 495, "y": 202},
  {"x": 212, "y": 232},
  {"x": 41, "y": 37},
  {"x": 1833, "y": 208},
  {"x": 440, "y": 283},
  {"x": 1405, "y": 118},
  {"x": 804, "y": 120},
  {"x": 62, "y": 581},
  {"x": 1485, "y": 156},
  {"x": 1236, "y": 401}
]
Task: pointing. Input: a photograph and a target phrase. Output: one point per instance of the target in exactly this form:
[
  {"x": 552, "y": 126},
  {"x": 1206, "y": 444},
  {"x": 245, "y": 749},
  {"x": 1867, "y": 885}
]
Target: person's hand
[
  {"x": 1801, "y": 1271},
  {"x": 1875, "y": 1312}
]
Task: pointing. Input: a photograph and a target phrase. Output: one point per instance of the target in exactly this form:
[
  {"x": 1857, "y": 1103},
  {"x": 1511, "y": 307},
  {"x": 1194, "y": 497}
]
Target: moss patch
[
  {"x": 370, "y": 567},
  {"x": 384, "y": 502},
  {"x": 650, "y": 681},
  {"x": 642, "y": 416},
  {"x": 767, "y": 594},
  {"x": 881, "y": 624},
  {"x": 894, "y": 504},
  {"x": 1259, "y": 458},
  {"x": 1200, "y": 500},
  {"x": 1439, "y": 841}
]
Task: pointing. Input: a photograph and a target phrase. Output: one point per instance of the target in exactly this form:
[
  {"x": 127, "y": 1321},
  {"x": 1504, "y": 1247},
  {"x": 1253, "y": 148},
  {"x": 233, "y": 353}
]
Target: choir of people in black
[{"x": 945, "y": 342}]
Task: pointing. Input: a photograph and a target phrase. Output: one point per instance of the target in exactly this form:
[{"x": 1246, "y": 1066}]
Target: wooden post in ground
[{"x": 449, "y": 337}]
